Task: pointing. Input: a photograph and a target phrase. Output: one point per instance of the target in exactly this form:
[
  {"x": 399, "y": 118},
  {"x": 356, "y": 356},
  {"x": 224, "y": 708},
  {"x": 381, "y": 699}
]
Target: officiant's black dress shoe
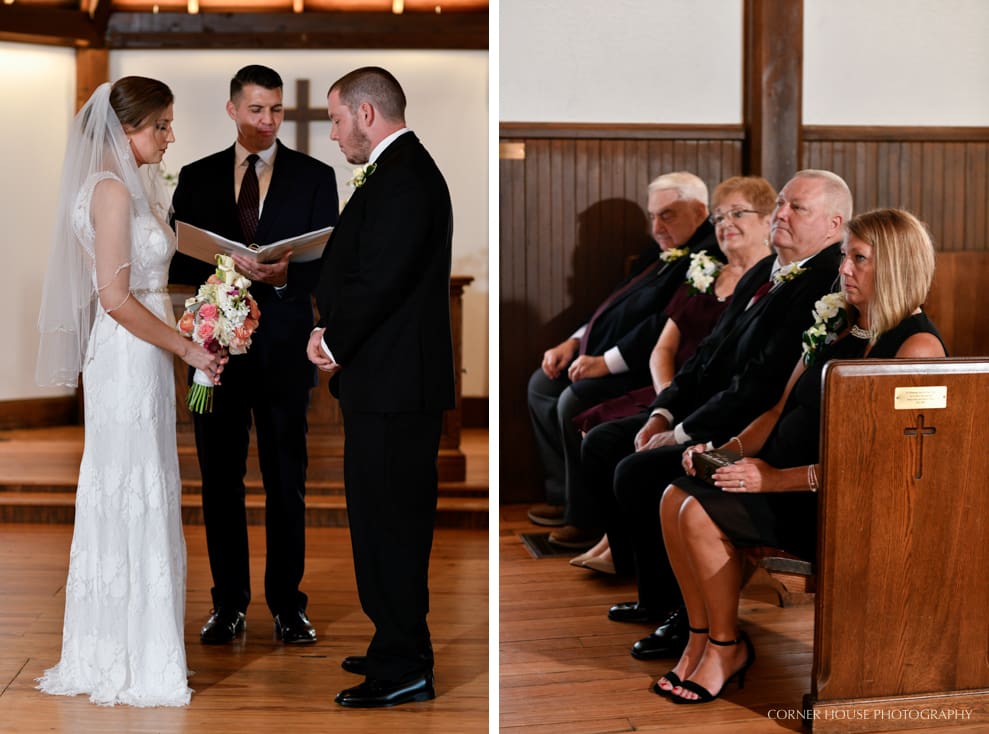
[
  {"x": 381, "y": 693},
  {"x": 633, "y": 611},
  {"x": 294, "y": 628},
  {"x": 222, "y": 626},
  {"x": 669, "y": 639},
  {"x": 356, "y": 664}
]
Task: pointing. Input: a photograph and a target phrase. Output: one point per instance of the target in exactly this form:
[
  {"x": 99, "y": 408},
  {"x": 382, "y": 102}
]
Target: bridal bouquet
[{"x": 222, "y": 315}]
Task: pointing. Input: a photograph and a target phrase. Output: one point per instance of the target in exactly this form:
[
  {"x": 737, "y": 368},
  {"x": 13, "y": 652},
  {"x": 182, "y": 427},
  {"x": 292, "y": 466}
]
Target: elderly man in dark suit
[
  {"x": 738, "y": 372},
  {"x": 384, "y": 335},
  {"x": 258, "y": 191},
  {"x": 609, "y": 354}
]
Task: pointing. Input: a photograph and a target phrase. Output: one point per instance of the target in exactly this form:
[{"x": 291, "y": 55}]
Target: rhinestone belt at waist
[{"x": 145, "y": 291}]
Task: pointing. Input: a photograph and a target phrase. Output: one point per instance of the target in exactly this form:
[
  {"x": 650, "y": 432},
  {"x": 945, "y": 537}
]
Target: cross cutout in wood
[
  {"x": 303, "y": 114},
  {"x": 920, "y": 430}
]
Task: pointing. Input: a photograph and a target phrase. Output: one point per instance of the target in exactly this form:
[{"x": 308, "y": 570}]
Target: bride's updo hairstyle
[{"x": 137, "y": 100}]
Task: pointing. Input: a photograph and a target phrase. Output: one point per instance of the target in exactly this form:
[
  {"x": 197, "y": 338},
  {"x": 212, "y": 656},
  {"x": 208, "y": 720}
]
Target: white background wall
[
  {"x": 448, "y": 110},
  {"x": 872, "y": 62},
  {"x": 659, "y": 61},
  {"x": 37, "y": 85},
  {"x": 896, "y": 62}
]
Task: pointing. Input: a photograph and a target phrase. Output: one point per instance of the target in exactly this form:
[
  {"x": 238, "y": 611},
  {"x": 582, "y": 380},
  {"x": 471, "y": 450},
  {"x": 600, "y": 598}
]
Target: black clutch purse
[{"x": 710, "y": 461}]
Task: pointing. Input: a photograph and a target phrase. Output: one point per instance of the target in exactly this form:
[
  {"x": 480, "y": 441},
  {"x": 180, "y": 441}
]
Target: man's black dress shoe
[
  {"x": 356, "y": 664},
  {"x": 381, "y": 693},
  {"x": 632, "y": 611},
  {"x": 669, "y": 639},
  {"x": 222, "y": 626},
  {"x": 293, "y": 628}
]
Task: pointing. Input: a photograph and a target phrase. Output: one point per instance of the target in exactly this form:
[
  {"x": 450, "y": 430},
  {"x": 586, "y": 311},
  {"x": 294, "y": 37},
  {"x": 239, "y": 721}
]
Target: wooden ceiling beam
[
  {"x": 346, "y": 30},
  {"x": 49, "y": 26}
]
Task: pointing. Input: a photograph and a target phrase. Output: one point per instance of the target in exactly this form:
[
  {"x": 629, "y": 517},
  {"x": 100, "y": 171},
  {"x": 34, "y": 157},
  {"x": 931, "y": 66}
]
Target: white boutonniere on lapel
[
  {"x": 787, "y": 273},
  {"x": 361, "y": 174},
  {"x": 668, "y": 256},
  {"x": 701, "y": 272}
]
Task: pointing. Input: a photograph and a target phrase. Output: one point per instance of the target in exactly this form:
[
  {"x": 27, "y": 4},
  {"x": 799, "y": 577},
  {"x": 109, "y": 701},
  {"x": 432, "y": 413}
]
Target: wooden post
[{"x": 772, "y": 80}]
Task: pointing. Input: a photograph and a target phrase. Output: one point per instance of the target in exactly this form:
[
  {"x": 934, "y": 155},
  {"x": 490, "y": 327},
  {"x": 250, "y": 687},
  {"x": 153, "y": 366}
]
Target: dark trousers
[
  {"x": 391, "y": 486},
  {"x": 552, "y": 407},
  {"x": 278, "y": 411},
  {"x": 628, "y": 485}
]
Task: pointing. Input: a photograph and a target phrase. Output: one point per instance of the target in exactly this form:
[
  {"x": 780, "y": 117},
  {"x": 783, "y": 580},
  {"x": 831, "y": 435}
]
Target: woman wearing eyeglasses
[{"x": 740, "y": 213}]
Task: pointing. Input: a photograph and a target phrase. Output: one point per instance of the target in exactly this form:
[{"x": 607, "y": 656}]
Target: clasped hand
[
  {"x": 745, "y": 475},
  {"x": 273, "y": 273},
  {"x": 209, "y": 363},
  {"x": 654, "y": 434},
  {"x": 317, "y": 355}
]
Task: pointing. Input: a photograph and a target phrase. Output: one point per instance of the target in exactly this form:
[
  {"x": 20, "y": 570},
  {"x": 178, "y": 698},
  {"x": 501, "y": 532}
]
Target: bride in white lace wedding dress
[{"x": 122, "y": 638}]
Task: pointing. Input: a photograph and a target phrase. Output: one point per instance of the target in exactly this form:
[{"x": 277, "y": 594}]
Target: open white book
[{"x": 205, "y": 245}]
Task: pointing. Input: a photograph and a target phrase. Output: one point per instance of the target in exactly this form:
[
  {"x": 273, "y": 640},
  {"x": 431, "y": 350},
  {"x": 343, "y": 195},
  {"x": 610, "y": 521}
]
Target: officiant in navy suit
[
  {"x": 258, "y": 191},
  {"x": 384, "y": 335}
]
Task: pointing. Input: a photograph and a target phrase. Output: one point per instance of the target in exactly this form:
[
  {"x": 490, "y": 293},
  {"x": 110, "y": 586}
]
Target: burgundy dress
[{"x": 695, "y": 315}]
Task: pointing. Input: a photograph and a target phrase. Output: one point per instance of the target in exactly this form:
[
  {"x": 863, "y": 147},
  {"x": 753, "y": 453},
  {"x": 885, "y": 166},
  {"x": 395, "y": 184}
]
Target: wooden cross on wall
[{"x": 303, "y": 114}]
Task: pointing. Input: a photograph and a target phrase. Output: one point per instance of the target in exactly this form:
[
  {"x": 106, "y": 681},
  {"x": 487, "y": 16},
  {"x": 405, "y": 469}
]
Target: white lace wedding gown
[{"x": 122, "y": 639}]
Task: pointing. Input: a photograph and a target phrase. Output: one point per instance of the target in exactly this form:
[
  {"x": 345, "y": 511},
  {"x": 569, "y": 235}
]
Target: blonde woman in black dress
[{"x": 767, "y": 498}]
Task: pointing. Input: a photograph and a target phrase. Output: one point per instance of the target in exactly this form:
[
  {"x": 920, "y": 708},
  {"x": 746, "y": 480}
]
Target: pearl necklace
[{"x": 859, "y": 333}]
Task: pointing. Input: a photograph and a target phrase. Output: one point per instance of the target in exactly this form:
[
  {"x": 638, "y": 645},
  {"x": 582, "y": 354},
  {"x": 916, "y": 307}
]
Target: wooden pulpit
[{"x": 901, "y": 636}]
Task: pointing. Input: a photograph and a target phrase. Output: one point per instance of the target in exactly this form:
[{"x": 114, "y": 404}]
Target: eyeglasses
[{"x": 720, "y": 217}]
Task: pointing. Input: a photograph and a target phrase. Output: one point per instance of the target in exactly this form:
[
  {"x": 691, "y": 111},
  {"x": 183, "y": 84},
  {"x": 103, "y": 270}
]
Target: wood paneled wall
[
  {"x": 572, "y": 209},
  {"x": 939, "y": 174}
]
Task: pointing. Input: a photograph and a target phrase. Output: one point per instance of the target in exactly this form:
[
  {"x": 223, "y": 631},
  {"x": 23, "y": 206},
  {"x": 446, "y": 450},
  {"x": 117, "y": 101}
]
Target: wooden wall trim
[
  {"x": 618, "y": 131},
  {"x": 895, "y": 133},
  {"x": 39, "y": 413}
]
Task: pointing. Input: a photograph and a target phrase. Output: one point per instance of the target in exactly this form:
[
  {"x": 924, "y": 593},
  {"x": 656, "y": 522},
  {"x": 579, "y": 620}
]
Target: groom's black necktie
[{"x": 249, "y": 200}]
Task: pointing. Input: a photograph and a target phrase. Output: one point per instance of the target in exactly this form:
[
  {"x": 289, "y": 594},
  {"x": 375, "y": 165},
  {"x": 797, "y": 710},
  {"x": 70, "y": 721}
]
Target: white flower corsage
[
  {"x": 830, "y": 318},
  {"x": 668, "y": 256},
  {"x": 361, "y": 174},
  {"x": 702, "y": 272},
  {"x": 787, "y": 272}
]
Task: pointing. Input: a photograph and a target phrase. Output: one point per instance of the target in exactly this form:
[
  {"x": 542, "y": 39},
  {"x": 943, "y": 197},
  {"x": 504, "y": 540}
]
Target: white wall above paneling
[
  {"x": 623, "y": 61},
  {"x": 896, "y": 62}
]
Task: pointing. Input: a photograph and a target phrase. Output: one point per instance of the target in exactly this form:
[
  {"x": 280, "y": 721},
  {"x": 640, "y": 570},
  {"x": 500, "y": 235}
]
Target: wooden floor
[
  {"x": 566, "y": 668},
  {"x": 260, "y": 685}
]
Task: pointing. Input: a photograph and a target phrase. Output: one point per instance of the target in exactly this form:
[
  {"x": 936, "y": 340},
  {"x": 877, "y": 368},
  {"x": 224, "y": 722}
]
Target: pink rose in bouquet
[{"x": 222, "y": 315}]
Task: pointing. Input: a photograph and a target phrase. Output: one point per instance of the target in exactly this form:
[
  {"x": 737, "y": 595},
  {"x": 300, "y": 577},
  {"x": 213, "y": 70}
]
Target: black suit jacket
[
  {"x": 384, "y": 290},
  {"x": 739, "y": 371},
  {"x": 302, "y": 197},
  {"x": 636, "y": 316},
  {"x": 634, "y": 320}
]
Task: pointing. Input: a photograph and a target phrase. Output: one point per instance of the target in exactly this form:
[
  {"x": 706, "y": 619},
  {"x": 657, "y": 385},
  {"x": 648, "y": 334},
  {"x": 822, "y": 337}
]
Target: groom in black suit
[
  {"x": 384, "y": 335},
  {"x": 258, "y": 191}
]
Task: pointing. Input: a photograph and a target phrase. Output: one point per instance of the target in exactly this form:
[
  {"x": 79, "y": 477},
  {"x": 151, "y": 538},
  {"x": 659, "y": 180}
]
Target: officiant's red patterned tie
[{"x": 249, "y": 200}]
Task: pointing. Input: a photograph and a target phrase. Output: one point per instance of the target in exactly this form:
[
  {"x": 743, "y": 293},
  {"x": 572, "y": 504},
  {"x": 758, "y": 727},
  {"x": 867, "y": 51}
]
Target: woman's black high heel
[
  {"x": 704, "y": 695},
  {"x": 672, "y": 678}
]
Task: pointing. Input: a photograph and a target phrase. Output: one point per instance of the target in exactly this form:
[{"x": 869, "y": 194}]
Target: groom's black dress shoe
[
  {"x": 294, "y": 628},
  {"x": 633, "y": 611},
  {"x": 222, "y": 626},
  {"x": 381, "y": 693},
  {"x": 669, "y": 639},
  {"x": 356, "y": 664}
]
